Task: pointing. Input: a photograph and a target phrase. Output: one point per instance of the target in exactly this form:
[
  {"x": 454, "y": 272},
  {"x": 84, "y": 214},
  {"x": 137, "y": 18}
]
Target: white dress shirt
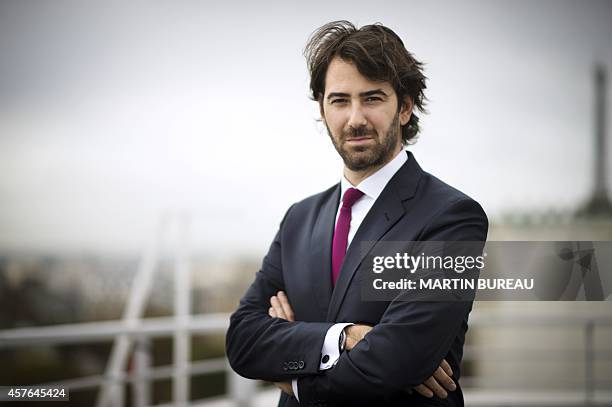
[{"x": 371, "y": 188}]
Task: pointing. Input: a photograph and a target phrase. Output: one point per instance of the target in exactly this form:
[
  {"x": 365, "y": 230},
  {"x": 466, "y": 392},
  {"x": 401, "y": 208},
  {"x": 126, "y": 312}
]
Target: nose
[{"x": 357, "y": 118}]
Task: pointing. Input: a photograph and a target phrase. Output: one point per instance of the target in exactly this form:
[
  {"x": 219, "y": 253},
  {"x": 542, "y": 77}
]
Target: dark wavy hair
[{"x": 379, "y": 55}]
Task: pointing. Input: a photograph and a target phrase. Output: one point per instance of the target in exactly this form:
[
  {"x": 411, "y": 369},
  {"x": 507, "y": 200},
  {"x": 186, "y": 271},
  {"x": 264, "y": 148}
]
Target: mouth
[{"x": 358, "y": 140}]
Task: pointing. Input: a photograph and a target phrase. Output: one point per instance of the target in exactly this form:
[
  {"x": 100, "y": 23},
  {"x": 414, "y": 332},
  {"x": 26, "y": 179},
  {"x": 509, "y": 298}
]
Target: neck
[{"x": 355, "y": 177}]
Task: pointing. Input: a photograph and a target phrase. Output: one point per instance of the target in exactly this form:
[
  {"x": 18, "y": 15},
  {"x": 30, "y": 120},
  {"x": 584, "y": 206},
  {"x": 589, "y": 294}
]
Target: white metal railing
[
  {"x": 593, "y": 391},
  {"x": 139, "y": 333},
  {"x": 242, "y": 391},
  {"x": 89, "y": 332}
]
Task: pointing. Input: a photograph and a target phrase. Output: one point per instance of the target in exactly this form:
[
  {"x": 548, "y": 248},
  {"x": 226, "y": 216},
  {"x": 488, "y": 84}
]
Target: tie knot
[{"x": 351, "y": 196}]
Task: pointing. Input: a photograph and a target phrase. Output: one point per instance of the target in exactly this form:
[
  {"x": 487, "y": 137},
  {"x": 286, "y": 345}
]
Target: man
[{"x": 302, "y": 323}]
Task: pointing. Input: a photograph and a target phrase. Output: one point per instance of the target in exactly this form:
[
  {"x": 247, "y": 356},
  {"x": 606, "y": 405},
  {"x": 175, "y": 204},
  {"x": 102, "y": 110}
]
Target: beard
[{"x": 359, "y": 158}]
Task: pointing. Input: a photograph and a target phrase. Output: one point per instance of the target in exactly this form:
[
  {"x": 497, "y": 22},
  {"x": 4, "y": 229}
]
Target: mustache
[{"x": 361, "y": 131}]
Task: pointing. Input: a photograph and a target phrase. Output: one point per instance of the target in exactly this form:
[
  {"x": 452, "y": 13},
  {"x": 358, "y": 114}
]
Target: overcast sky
[{"x": 111, "y": 113}]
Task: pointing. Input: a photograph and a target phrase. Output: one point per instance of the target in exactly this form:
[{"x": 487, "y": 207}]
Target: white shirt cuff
[
  {"x": 294, "y": 387},
  {"x": 330, "y": 352}
]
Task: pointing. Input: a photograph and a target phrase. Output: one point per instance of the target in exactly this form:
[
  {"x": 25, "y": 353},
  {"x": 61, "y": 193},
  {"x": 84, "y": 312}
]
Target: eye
[
  {"x": 337, "y": 101},
  {"x": 373, "y": 99}
]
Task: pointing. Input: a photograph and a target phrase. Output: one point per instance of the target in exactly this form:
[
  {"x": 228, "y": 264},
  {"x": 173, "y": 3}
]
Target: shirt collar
[{"x": 375, "y": 183}]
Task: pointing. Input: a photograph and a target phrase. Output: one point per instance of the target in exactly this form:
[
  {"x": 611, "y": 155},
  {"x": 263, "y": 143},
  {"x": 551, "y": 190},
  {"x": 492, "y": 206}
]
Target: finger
[
  {"x": 436, "y": 388},
  {"x": 278, "y": 308},
  {"x": 424, "y": 390},
  {"x": 445, "y": 380},
  {"x": 279, "y": 385},
  {"x": 444, "y": 365},
  {"x": 272, "y": 312},
  {"x": 282, "y": 297}
]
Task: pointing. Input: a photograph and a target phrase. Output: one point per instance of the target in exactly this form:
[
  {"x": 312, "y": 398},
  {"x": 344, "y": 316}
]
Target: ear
[
  {"x": 321, "y": 110},
  {"x": 406, "y": 110}
]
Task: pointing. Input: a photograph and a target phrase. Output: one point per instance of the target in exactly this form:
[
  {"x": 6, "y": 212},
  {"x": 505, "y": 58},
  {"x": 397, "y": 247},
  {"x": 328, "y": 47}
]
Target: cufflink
[{"x": 325, "y": 359}]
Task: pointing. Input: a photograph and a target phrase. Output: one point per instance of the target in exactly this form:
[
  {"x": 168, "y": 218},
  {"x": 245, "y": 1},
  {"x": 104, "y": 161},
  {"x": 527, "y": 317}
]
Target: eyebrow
[{"x": 362, "y": 94}]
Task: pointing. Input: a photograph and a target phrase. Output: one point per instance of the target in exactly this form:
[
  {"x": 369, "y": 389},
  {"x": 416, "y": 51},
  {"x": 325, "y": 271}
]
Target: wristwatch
[{"x": 342, "y": 341}]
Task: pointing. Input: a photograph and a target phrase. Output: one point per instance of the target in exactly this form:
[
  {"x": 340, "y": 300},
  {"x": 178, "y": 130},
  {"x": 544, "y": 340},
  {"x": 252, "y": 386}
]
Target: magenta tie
[{"x": 343, "y": 225}]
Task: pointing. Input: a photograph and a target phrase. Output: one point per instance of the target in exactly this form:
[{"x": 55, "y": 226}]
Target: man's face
[{"x": 361, "y": 117}]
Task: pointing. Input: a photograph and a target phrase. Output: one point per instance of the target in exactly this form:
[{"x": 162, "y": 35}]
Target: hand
[
  {"x": 437, "y": 383},
  {"x": 285, "y": 386},
  {"x": 280, "y": 308},
  {"x": 354, "y": 334}
]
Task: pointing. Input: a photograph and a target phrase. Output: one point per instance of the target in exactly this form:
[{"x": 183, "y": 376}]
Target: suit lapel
[
  {"x": 321, "y": 245},
  {"x": 386, "y": 212}
]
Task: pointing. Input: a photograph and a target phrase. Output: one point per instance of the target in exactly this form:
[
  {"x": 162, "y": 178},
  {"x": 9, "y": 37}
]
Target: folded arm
[
  {"x": 409, "y": 343},
  {"x": 261, "y": 347},
  {"x": 437, "y": 384}
]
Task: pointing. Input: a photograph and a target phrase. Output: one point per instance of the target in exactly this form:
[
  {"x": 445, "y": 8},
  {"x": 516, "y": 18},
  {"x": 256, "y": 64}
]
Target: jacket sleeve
[
  {"x": 261, "y": 347},
  {"x": 412, "y": 338}
]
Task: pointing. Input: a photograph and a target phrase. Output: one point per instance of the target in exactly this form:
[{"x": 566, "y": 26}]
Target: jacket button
[{"x": 325, "y": 358}]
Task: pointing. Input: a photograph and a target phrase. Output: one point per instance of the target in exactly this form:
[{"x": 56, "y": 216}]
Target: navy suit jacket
[{"x": 409, "y": 339}]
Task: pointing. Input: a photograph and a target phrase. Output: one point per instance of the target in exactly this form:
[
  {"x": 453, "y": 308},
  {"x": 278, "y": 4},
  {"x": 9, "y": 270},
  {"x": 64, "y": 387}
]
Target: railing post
[
  {"x": 589, "y": 367},
  {"x": 241, "y": 390},
  {"x": 142, "y": 372},
  {"x": 136, "y": 301},
  {"x": 182, "y": 310},
  {"x": 116, "y": 389}
]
